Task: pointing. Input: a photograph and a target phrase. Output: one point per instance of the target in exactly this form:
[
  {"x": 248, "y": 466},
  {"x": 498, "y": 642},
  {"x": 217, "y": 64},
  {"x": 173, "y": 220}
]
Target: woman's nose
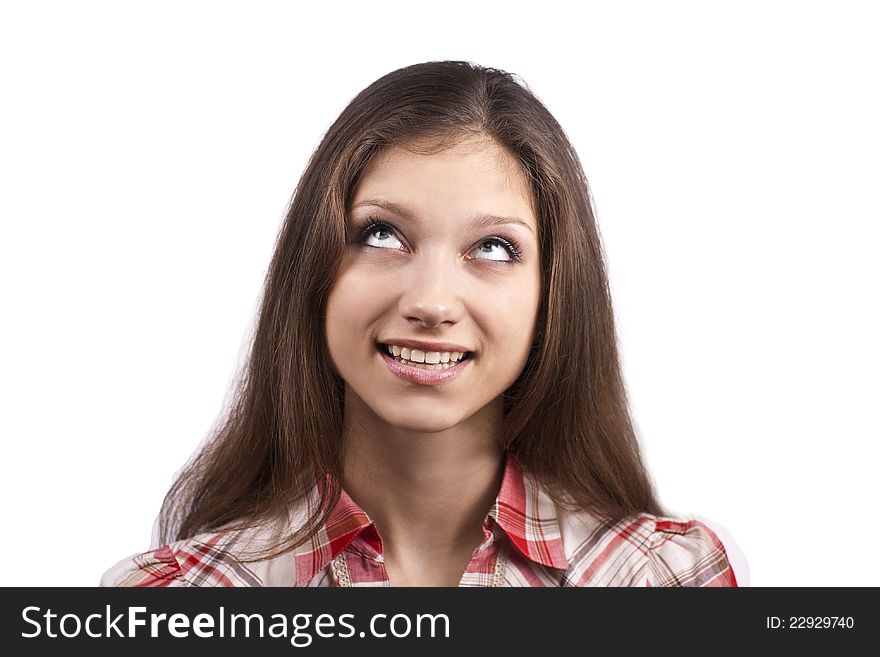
[{"x": 432, "y": 293}]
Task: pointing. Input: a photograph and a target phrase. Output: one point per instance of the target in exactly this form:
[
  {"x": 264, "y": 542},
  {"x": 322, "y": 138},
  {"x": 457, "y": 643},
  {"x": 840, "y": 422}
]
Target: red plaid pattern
[{"x": 527, "y": 541}]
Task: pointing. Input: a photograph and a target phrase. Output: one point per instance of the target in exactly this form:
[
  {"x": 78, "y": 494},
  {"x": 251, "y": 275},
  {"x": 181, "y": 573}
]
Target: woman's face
[{"x": 437, "y": 266}]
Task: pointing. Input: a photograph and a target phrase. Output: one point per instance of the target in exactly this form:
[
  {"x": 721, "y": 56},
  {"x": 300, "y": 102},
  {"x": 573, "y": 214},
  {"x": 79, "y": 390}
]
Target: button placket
[
  {"x": 498, "y": 576},
  {"x": 340, "y": 571}
]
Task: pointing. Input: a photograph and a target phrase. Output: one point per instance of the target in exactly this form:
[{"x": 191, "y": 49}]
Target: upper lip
[{"x": 426, "y": 346}]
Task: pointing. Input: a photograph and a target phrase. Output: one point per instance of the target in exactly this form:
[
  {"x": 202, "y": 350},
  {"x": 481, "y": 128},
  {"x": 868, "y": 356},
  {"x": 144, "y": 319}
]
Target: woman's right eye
[{"x": 381, "y": 236}]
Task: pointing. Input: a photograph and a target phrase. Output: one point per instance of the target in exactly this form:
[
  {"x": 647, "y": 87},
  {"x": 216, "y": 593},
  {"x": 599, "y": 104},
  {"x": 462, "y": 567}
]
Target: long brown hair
[{"x": 567, "y": 418}]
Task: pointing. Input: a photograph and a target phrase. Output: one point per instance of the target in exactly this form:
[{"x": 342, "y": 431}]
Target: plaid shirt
[{"x": 527, "y": 541}]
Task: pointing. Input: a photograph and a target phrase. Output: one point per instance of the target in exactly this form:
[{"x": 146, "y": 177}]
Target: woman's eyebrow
[{"x": 477, "y": 221}]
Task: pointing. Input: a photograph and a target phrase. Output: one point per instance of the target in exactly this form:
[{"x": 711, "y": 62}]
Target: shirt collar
[
  {"x": 346, "y": 521},
  {"x": 528, "y": 516},
  {"x": 523, "y": 511}
]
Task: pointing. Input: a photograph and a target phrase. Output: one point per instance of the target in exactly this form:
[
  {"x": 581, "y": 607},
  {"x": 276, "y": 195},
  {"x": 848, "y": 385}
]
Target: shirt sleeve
[
  {"x": 156, "y": 568},
  {"x": 687, "y": 553}
]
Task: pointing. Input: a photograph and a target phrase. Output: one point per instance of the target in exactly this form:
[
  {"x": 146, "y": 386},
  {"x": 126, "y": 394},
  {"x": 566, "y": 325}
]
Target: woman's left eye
[{"x": 496, "y": 251}]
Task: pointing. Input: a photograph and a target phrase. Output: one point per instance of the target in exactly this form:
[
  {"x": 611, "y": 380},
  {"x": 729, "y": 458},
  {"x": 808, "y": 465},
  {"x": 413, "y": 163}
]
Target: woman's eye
[
  {"x": 381, "y": 236},
  {"x": 495, "y": 251}
]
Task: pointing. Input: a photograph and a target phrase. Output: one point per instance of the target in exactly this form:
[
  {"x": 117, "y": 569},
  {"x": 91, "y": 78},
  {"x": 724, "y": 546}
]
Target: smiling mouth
[{"x": 451, "y": 362}]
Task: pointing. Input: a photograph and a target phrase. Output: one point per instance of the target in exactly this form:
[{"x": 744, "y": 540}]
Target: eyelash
[{"x": 509, "y": 243}]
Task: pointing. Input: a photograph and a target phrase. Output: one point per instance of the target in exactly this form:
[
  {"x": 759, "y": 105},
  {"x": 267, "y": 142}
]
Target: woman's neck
[{"x": 427, "y": 493}]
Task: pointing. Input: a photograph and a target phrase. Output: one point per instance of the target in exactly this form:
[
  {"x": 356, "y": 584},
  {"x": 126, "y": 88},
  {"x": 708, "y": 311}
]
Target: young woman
[{"x": 433, "y": 396}]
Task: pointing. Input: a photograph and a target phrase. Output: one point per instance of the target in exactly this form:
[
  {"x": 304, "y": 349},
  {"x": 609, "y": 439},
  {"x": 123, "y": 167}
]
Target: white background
[{"x": 148, "y": 151}]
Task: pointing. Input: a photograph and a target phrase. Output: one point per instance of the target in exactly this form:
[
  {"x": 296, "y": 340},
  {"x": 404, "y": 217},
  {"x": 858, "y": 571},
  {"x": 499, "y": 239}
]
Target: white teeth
[
  {"x": 423, "y": 366},
  {"x": 427, "y": 359}
]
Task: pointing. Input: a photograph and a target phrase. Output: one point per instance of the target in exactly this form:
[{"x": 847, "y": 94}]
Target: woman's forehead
[{"x": 471, "y": 176}]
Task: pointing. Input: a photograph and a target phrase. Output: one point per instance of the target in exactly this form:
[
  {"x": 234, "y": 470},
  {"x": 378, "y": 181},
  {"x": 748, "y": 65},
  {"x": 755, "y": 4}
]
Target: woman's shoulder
[
  {"x": 208, "y": 559},
  {"x": 647, "y": 550},
  {"x": 687, "y": 552}
]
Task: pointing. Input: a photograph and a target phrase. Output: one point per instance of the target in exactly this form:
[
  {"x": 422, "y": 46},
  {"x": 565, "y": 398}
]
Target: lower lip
[{"x": 423, "y": 377}]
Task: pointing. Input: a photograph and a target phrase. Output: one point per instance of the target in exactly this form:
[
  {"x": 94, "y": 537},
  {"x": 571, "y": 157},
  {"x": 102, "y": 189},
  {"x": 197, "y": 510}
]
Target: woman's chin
[{"x": 425, "y": 422}]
